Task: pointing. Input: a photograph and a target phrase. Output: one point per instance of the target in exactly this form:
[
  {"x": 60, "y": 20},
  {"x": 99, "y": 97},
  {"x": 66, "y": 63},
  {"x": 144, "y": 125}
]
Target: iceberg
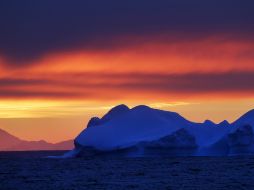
[{"x": 145, "y": 131}]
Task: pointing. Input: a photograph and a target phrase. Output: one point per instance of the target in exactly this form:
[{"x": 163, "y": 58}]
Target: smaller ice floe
[{"x": 70, "y": 154}]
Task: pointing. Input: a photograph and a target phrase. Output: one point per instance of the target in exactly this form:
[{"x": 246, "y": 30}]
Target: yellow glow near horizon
[
  {"x": 58, "y": 109},
  {"x": 45, "y": 109},
  {"x": 196, "y": 111},
  {"x": 55, "y": 121}
]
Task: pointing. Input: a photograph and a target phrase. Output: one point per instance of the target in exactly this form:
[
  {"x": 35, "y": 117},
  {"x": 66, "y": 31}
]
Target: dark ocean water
[{"x": 31, "y": 170}]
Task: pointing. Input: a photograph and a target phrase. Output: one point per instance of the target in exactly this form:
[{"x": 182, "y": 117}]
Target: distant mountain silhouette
[{"x": 9, "y": 142}]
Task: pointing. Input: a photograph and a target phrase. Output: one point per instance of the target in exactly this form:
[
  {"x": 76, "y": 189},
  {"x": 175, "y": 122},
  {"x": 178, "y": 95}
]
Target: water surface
[{"x": 31, "y": 170}]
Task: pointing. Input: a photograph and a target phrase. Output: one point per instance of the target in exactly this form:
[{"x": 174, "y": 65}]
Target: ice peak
[
  {"x": 115, "y": 111},
  {"x": 209, "y": 122},
  {"x": 224, "y": 122},
  {"x": 141, "y": 107},
  {"x": 119, "y": 108}
]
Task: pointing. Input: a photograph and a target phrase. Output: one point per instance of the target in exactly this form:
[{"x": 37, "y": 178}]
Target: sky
[{"x": 63, "y": 62}]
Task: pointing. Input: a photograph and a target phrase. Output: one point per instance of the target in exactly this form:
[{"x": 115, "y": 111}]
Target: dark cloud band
[
  {"x": 85, "y": 85},
  {"x": 30, "y": 28}
]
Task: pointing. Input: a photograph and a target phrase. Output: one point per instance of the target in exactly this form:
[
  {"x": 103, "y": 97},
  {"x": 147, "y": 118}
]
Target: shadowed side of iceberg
[{"x": 179, "y": 143}]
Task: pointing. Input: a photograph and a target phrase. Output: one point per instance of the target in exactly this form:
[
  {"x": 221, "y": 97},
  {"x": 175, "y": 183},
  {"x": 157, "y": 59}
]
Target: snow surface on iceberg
[
  {"x": 246, "y": 119},
  {"x": 147, "y": 131},
  {"x": 124, "y": 127}
]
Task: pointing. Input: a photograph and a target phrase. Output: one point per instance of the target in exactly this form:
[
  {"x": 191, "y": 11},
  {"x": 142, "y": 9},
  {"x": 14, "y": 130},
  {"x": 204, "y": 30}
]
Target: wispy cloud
[
  {"x": 171, "y": 104},
  {"x": 49, "y": 109}
]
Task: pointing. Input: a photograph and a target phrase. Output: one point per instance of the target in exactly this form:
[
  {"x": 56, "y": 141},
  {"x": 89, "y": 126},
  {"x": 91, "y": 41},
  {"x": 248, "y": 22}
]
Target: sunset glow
[{"x": 203, "y": 70}]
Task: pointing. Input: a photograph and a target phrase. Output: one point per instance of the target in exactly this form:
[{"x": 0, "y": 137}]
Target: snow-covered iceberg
[{"x": 144, "y": 131}]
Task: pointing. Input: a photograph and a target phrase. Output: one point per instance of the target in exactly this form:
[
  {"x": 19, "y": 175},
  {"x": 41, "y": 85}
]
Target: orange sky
[
  {"x": 53, "y": 96},
  {"x": 63, "y": 62}
]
